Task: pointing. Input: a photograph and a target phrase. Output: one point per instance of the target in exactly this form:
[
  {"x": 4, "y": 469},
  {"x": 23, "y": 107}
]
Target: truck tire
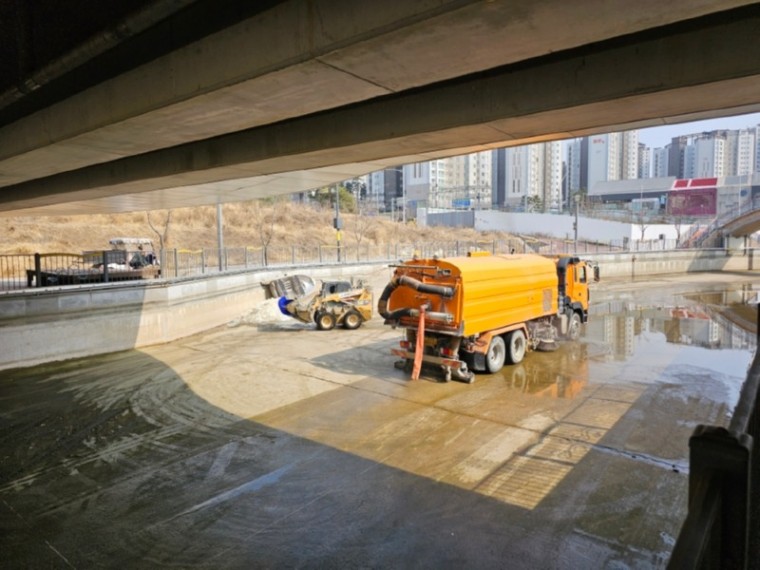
[
  {"x": 516, "y": 346},
  {"x": 574, "y": 326},
  {"x": 325, "y": 321},
  {"x": 352, "y": 320},
  {"x": 497, "y": 353}
]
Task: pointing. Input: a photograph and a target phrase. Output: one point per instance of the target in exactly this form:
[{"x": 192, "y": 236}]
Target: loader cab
[{"x": 335, "y": 287}]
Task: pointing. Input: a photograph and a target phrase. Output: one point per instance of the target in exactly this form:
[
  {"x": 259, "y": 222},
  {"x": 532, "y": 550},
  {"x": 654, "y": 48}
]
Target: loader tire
[
  {"x": 352, "y": 320},
  {"x": 325, "y": 321}
]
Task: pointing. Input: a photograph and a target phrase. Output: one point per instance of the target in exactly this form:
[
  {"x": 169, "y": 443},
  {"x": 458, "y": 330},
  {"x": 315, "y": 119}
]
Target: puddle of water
[{"x": 701, "y": 341}]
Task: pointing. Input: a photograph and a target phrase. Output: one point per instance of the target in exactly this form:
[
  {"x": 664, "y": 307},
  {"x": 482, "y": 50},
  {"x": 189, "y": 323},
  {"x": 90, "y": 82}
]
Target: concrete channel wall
[
  {"x": 633, "y": 264},
  {"x": 53, "y": 324},
  {"x": 57, "y": 323}
]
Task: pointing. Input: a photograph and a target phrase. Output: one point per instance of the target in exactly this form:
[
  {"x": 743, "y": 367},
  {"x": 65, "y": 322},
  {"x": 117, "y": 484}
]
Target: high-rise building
[
  {"x": 384, "y": 188},
  {"x": 479, "y": 170},
  {"x": 629, "y": 156},
  {"x": 708, "y": 158},
  {"x": 677, "y": 156},
  {"x": 573, "y": 169},
  {"x": 740, "y": 152},
  {"x": 714, "y": 154},
  {"x": 602, "y": 159},
  {"x": 530, "y": 171},
  {"x": 660, "y": 163},
  {"x": 552, "y": 187},
  {"x": 645, "y": 162},
  {"x": 611, "y": 156},
  {"x": 458, "y": 181}
]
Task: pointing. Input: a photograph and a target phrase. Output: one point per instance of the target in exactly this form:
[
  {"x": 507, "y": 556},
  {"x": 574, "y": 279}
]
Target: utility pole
[
  {"x": 577, "y": 199},
  {"x": 338, "y": 223},
  {"x": 403, "y": 201},
  {"x": 220, "y": 234}
]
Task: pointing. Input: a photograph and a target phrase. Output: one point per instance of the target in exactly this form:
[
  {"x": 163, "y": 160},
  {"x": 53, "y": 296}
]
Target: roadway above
[{"x": 295, "y": 95}]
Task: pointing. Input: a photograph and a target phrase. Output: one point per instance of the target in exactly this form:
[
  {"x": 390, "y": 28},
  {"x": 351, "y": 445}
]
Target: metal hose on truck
[{"x": 382, "y": 303}]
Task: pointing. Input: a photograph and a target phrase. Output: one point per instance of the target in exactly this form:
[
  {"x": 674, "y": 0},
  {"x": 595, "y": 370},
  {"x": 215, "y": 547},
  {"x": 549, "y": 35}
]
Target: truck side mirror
[{"x": 596, "y": 273}]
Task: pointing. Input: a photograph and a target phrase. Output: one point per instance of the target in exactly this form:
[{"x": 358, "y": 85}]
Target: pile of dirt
[
  {"x": 264, "y": 312},
  {"x": 246, "y": 224}
]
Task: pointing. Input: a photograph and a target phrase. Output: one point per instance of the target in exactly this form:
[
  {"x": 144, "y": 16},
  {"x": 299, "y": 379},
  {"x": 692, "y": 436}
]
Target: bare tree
[
  {"x": 262, "y": 220},
  {"x": 535, "y": 204},
  {"x": 677, "y": 225},
  {"x": 361, "y": 224},
  {"x": 643, "y": 225},
  {"x": 163, "y": 234}
]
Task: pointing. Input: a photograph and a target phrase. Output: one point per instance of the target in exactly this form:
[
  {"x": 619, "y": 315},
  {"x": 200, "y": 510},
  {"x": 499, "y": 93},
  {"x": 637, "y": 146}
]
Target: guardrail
[
  {"x": 22, "y": 271},
  {"x": 51, "y": 269},
  {"x": 722, "y": 527}
]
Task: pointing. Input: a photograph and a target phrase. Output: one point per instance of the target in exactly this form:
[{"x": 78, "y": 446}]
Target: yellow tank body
[{"x": 489, "y": 292}]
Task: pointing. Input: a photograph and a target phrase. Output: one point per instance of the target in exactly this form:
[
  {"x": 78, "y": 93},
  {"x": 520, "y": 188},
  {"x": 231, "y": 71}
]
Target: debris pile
[{"x": 264, "y": 312}]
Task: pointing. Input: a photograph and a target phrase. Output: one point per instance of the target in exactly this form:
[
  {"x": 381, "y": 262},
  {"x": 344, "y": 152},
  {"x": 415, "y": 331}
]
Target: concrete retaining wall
[
  {"x": 45, "y": 325},
  {"x": 561, "y": 226},
  {"x": 634, "y": 264},
  {"x": 51, "y": 324}
]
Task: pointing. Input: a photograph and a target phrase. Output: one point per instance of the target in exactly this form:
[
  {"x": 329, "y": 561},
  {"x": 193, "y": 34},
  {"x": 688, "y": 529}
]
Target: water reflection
[
  {"x": 715, "y": 320},
  {"x": 706, "y": 334},
  {"x": 560, "y": 374}
]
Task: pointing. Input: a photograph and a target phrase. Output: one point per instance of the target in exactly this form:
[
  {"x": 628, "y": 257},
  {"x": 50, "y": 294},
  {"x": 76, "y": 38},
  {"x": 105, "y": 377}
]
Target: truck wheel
[
  {"x": 574, "y": 326},
  {"x": 325, "y": 321},
  {"x": 497, "y": 353},
  {"x": 516, "y": 346},
  {"x": 352, "y": 320}
]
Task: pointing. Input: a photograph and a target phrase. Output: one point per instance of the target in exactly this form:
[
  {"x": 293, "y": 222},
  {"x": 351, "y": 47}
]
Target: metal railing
[
  {"x": 720, "y": 221},
  {"x": 52, "y": 269},
  {"x": 21, "y": 271},
  {"x": 24, "y": 271},
  {"x": 14, "y": 271},
  {"x": 722, "y": 527}
]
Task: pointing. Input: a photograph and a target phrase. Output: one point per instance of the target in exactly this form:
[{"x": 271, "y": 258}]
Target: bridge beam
[{"x": 695, "y": 69}]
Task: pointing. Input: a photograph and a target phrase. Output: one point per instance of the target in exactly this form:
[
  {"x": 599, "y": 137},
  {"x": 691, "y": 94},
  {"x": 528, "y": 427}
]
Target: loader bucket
[{"x": 291, "y": 287}]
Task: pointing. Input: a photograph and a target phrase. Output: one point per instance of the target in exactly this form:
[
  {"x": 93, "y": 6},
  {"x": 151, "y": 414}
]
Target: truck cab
[{"x": 574, "y": 276}]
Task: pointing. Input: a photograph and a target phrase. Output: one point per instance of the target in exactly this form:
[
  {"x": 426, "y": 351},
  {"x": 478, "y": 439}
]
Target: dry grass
[{"x": 291, "y": 223}]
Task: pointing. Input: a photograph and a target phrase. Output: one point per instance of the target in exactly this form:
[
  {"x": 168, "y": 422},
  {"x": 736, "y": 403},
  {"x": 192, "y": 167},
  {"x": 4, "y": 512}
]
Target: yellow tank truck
[{"x": 465, "y": 314}]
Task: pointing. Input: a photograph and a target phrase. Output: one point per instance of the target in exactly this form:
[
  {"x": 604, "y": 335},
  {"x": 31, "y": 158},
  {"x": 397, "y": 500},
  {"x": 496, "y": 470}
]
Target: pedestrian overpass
[{"x": 731, "y": 229}]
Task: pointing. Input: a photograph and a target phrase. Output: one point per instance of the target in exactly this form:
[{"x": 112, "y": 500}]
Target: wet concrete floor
[{"x": 268, "y": 444}]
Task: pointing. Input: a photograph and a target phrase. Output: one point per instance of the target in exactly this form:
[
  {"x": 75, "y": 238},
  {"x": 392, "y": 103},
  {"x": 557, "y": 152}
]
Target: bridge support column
[{"x": 734, "y": 243}]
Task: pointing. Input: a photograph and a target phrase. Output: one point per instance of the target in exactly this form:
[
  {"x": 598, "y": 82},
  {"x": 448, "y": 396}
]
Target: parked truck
[{"x": 473, "y": 313}]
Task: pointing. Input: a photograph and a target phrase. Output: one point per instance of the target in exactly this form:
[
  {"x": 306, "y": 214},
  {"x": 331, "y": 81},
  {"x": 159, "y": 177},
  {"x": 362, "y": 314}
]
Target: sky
[{"x": 658, "y": 137}]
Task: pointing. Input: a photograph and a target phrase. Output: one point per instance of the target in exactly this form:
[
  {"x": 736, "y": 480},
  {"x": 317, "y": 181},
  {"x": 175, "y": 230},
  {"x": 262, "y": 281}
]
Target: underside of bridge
[
  {"x": 155, "y": 104},
  {"x": 744, "y": 225}
]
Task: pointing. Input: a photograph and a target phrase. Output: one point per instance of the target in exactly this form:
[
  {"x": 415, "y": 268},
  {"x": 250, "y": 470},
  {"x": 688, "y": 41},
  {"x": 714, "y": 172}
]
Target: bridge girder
[{"x": 399, "y": 94}]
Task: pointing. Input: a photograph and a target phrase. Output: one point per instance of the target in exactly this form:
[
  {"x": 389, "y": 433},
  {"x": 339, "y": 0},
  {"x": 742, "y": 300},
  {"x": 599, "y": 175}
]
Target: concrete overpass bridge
[
  {"x": 156, "y": 104},
  {"x": 730, "y": 229},
  {"x": 744, "y": 224}
]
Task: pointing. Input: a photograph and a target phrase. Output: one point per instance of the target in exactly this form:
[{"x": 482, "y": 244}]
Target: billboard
[{"x": 693, "y": 202}]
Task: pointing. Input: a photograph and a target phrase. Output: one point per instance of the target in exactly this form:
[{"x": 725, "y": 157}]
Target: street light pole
[{"x": 577, "y": 199}]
